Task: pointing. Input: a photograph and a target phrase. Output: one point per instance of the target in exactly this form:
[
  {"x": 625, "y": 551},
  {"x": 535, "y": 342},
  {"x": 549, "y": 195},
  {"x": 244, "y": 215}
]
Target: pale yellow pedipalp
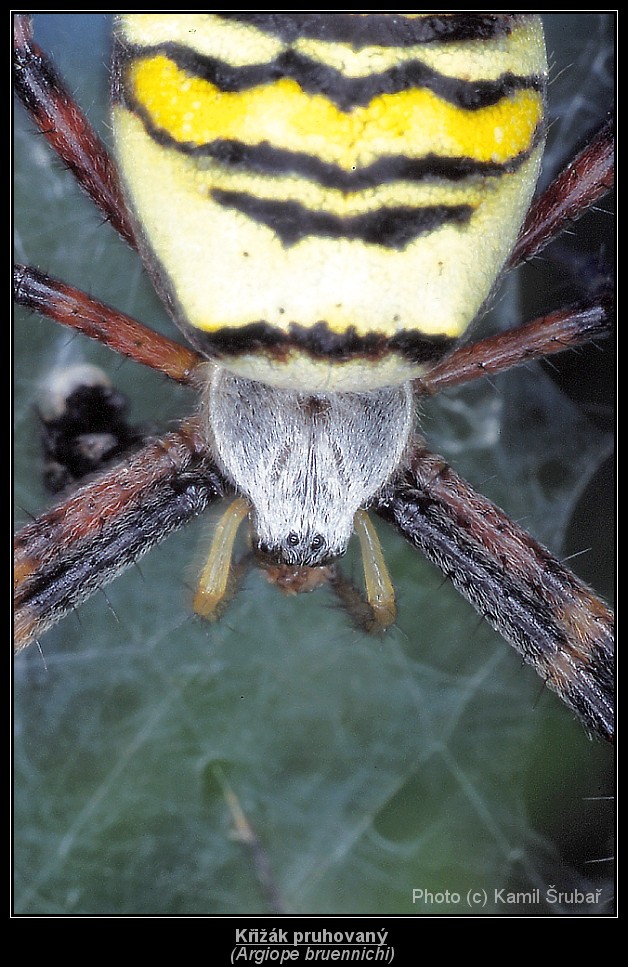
[
  {"x": 214, "y": 578},
  {"x": 380, "y": 593}
]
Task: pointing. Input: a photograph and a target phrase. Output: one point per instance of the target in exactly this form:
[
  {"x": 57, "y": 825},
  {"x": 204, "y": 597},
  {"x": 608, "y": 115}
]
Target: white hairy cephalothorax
[{"x": 306, "y": 462}]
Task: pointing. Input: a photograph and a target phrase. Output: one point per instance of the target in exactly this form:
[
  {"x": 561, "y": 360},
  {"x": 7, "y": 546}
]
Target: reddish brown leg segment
[
  {"x": 55, "y": 112},
  {"x": 69, "y": 306}
]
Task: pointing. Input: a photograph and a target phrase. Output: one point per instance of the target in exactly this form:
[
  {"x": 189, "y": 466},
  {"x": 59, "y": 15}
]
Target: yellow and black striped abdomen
[{"x": 327, "y": 199}]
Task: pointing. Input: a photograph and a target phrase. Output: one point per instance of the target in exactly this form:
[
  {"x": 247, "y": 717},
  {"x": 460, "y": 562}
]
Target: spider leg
[
  {"x": 55, "y": 112},
  {"x": 354, "y": 602},
  {"x": 71, "y": 307},
  {"x": 85, "y": 541},
  {"x": 586, "y": 179},
  {"x": 552, "y": 333},
  {"x": 538, "y": 605},
  {"x": 579, "y": 185}
]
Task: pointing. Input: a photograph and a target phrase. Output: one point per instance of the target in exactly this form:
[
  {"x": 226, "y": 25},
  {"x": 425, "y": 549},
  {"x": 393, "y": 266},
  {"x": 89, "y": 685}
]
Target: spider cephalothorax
[{"x": 307, "y": 463}]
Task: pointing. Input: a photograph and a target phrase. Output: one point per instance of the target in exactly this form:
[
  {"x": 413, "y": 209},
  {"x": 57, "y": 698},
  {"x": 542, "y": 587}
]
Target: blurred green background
[{"x": 428, "y": 759}]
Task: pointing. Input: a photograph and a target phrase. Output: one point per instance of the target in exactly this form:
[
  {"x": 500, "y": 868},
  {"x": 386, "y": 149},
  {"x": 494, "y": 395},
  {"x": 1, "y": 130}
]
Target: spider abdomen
[{"x": 326, "y": 200}]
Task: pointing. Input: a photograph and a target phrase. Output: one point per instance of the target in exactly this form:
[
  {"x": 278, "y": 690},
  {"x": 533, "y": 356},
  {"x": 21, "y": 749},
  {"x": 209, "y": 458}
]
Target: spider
[
  {"x": 160, "y": 504},
  {"x": 148, "y": 587}
]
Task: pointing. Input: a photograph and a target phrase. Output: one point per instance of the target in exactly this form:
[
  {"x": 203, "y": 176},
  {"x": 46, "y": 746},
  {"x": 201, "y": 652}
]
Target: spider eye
[
  {"x": 318, "y": 541},
  {"x": 293, "y": 539}
]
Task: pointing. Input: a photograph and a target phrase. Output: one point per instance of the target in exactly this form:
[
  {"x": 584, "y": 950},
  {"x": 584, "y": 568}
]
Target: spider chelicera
[{"x": 176, "y": 638}]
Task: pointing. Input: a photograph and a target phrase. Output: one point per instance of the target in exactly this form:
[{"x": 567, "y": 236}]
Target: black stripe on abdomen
[
  {"x": 264, "y": 159},
  {"x": 381, "y": 29},
  {"x": 393, "y": 228},
  {"x": 320, "y": 342},
  {"x": 314, "y": 77}
]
